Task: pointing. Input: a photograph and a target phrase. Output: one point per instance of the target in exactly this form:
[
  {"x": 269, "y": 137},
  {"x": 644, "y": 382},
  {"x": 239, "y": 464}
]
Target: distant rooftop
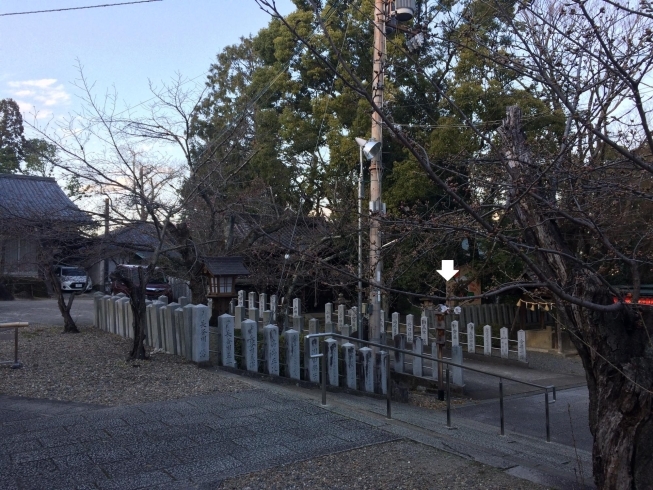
[
  {"x": 26, "y": 197},
  {"x": 225, "y": 266}
]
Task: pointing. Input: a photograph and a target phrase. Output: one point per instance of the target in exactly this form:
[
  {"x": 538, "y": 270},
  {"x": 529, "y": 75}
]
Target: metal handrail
[
  {"x": 16, "y": 364},
  {"x": 447, "y": 363}
]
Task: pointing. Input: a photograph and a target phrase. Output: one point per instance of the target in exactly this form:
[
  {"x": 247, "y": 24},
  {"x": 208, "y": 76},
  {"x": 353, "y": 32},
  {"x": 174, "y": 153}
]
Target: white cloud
[{"x": 42, "y": 93}]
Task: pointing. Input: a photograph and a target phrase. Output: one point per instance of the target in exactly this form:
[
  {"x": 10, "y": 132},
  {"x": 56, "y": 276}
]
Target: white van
[{"x": 73, "y": 279}]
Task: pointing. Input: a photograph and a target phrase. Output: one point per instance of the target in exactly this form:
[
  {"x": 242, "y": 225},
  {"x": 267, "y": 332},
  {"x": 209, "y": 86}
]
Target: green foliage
[{"x": 12, "y": 141}]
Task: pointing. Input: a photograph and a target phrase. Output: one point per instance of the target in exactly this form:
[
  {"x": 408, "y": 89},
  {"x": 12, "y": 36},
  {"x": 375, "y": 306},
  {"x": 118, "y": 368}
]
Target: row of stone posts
[
  {"x": 176, "y": 328},
  {"x": 504, "y": 350}
]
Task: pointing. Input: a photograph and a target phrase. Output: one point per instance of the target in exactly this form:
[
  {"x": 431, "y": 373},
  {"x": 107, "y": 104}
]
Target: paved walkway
[
  {"x": 45, "y": 311},
  {"x": 199, "y": 441},
  {"x": 177, "y": 444}
]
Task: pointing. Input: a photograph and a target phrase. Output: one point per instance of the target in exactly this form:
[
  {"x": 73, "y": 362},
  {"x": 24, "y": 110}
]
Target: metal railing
[
  {"x": 323, "y": 355},
  {"x": 15, "y": 364}
]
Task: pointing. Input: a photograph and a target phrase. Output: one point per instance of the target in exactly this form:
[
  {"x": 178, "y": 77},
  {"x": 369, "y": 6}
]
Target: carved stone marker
[
  {"x": 410, "y": 330},
  {"x": 332, "y": 362},
  {"x": 201, "y": 315},
  {"x": 455, "y": 335},
  {"x": 349, "y": 354},
  {"x": 313, "y": 326},
  {"x": 367, "y": 370},
  {"x": 521, "y": 346},
  {"x": 424, "y": 331},
  {"x": 395, "y": 324},
  {"x": 227, "y": 340},
  {"x": 271, "y": 335},
  {"x": 471, "y": 338},
  {"x": 292, "y": 353},
  {"x": 312, "y": 365},
  {"x": 487, "y": 340},
  {"x": 249, "y": 331},
  {"x": 417, "y": 361},
  {"x": 504, "y": 342}
]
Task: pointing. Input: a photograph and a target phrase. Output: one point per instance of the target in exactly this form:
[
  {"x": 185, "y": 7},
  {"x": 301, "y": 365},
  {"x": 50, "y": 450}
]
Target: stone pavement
[
  {"x": 191, "y": 443},
  {"x": 532, "y": 458}
]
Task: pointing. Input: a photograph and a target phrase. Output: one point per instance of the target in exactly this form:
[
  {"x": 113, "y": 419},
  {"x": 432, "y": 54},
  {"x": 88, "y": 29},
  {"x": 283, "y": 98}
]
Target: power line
[{"x": 80, "y": 8}]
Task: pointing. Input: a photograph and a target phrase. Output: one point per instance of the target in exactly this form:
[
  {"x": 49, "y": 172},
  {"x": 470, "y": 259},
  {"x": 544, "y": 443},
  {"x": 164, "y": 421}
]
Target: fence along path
[{"x": 250, "y": 338}]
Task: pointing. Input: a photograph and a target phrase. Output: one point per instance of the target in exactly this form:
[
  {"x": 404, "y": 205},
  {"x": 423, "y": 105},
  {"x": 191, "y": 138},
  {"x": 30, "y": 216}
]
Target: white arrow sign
[{"x": 447, "y": 270}]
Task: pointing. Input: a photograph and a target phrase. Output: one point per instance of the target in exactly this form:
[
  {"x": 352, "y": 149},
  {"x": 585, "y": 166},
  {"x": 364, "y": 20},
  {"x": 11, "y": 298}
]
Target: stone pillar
[
  {"x": 251, "y": 301},
  {"x": 262, "y": 302},
  {"x": 201, "y": 316},
  {"x": 183, "y": 301},
  {"x": 455, "y": 335},
  {"x": 296, "y": 307},
  {"x": 434, "y": 364},
  {"x": 181, "y": 332},
  {"x": 239, "y": 316},
  {"x": 163, "y": 299},
  {"x": 188, "y": 330},
  {"x": 171, "y": 328},
  {"x": 252, "y": 314},
  {"x": 521, "y": 346},
  {"x": 349, "y": 354},
  {"x": 271, "y": 335},
  {"x": 381, "y": 378},
  {"x": 313, "y": 326},
  {"x": 471, "y": 338},
  {"x": 400, "y": 343},
  {"x": 353, "y": 316},
  {"x": 249, "y": 330},
  {"x": 366, "y": 370},
  {"x": 96, "y": 309},
  {"x": 160, "y": 320},
  {"x": 417, "y": 361},
  {"x": 410, "y": 329},
  {"x": 424, "y": 330},
  {"x": 241, "y": 298},
  {"x": 487, "y": 340},
  {"x": 273, "y": 307},
  {"x": 312, "y": 365},
  {"x": 126, "y": 326},
  {"x": 227, "y": 340},
  {"x": 341, "y": 317},
  {"x": 504, "y": 342},
  {"x": 130, "y": 321},
  {"x": 345, "y": 330},
  {"x": 395, "y": 324},
  {"x": 292, "y": 354},
  {"x": 328, "y": 318},
  {"x": 267, "y": 317},
  {"x": 332, "y": 362}
]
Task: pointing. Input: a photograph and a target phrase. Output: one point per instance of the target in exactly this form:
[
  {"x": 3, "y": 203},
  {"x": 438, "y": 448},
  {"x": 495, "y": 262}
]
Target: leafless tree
[{"x": 572, "y": 205}]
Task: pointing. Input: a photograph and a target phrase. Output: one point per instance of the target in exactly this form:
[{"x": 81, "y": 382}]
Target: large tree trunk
[{"x": 615, "y": 347}]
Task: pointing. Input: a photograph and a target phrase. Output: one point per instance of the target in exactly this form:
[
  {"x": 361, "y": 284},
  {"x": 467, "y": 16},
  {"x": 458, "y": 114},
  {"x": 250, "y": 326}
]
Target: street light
[{"x": 370, "y": 148}]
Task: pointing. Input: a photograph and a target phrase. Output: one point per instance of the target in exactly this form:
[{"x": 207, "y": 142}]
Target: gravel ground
[
  {"x": 397, "y": 465},
  {"x": 91, "y": 367},
  {"x": 556, "y": 363}
]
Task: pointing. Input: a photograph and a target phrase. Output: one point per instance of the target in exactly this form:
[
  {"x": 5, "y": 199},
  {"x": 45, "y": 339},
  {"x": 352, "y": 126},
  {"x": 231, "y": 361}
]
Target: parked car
[
  {"x": 73, "y": 279},
  {"x": 156, "y": 286}
]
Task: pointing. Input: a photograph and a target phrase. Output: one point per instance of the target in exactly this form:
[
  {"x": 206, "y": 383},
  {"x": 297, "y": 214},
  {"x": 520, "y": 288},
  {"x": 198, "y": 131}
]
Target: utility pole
[
  {"x": 105, "y": 287},
  {"x": 376, "y": 169}
]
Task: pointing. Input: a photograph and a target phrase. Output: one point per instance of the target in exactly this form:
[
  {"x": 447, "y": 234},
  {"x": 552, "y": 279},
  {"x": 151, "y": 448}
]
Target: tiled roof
[
  {"x": 225, "y": 266},
  {"x": 36, "y": 199},
  {"x": 297, "y": 234}
]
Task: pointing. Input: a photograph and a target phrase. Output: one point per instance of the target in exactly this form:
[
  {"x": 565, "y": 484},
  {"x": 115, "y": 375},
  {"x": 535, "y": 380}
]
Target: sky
[{"x": 121, "y": 47}]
